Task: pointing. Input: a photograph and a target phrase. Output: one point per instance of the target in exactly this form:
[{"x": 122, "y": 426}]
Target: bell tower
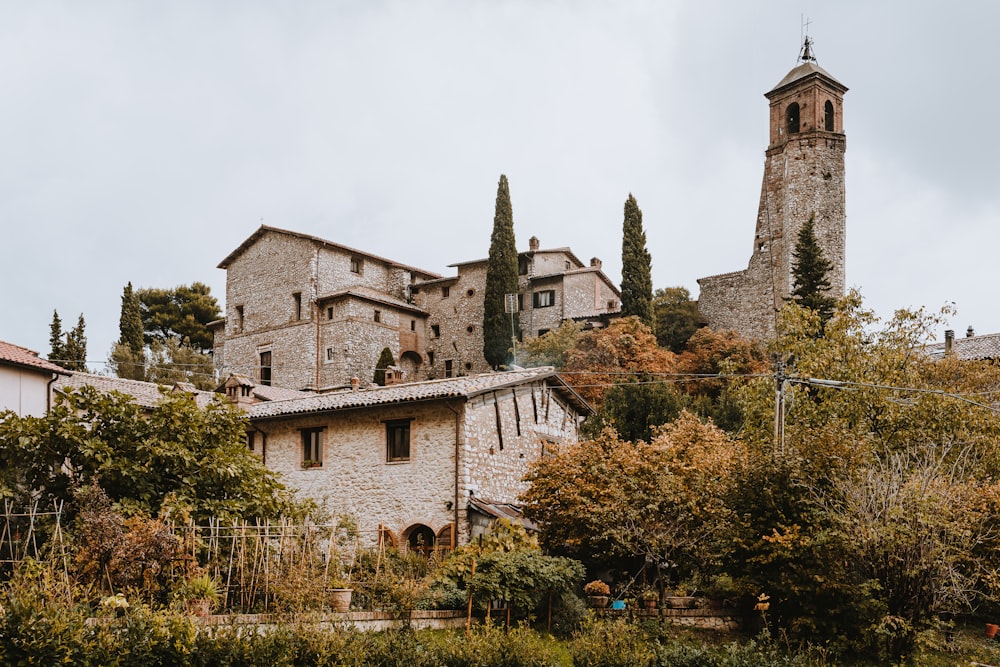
[{"x": 803, "y": 178}]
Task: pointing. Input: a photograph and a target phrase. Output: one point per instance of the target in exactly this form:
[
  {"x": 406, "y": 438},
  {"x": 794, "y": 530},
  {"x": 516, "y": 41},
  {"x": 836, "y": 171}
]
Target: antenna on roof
[{"x": 805, "y": 54}]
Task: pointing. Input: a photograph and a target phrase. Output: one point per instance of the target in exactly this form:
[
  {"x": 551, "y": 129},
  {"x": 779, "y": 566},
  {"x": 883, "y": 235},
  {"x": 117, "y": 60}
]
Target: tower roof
[{"x": 807, "y": 67}]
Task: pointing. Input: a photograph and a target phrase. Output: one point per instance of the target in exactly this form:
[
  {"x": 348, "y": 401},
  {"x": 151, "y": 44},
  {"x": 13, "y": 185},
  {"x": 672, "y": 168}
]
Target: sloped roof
[
  {"x": 986, "y": 346},
  {"x": 368, "y": 294},
  {"x": 546, "y": 251},
  {"x": 413, "y": 392},
  {"x": 264, "y": 229},
  {"x": 502, "y": 511},
  {"x": 803, "y": 70},
  {"x": 145, "y": 394},
  {"x": 15, "y": 355}
]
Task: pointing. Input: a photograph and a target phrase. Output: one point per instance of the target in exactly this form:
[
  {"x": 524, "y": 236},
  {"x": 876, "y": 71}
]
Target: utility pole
[
  {"x": 510, "y": 304},
  {"x": 780, "y": 383}
]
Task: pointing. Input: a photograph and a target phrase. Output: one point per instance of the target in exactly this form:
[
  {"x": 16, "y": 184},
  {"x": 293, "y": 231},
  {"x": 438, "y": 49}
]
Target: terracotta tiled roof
[
  {"x": 502, "y": 511},
  {"x": 547, "y": 251},
  {"x": 461, "y": 387},
  {"x": 145, "y": 394},
  {"x": 986, "y": 346},
  {"x": 16, "y": 355}
]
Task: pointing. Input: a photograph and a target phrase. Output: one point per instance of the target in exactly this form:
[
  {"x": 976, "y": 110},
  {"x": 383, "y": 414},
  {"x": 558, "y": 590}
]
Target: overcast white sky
[{"x": 144, "y": 141}]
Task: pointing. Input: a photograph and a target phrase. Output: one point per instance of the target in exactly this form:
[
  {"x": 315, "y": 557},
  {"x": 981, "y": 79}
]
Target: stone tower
[{"x": 803, "y": 177}]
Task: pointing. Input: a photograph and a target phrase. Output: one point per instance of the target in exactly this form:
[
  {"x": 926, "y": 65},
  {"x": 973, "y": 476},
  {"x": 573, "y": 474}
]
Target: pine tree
[
  {"x": 637, "y": 282},
  {"x": 75, "y": 350},
  {"x": 809, "y": 271},
  {"x": 501, "y": 279},
  {"x": 384, "y": 361},
  {"x": 57, "y": 351},
  {"x": 129, "y": 355}
]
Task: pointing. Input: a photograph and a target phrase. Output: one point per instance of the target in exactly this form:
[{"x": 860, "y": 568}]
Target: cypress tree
[
  {"x": 129, "y": 355},
  {"x": 384, "y": 361},
  {"x": 637, "y": 281},
  {"x": 75, "y": 350},
  {"x": 57, "y": 351},
  {"x": 809, "y": 273},
  {"x": 501, "y": 279}
]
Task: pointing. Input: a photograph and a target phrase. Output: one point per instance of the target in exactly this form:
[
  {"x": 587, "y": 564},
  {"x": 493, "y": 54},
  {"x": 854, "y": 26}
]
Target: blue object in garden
[{"x": 618, "y": 604}]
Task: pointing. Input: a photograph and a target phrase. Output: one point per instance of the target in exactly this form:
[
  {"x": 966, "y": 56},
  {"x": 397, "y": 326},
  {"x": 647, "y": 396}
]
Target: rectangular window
[
  {"x": 378, "y": 315},
  {"x": 542, "y": 332},
  {"x": 520, "y": 303},
  {"x": 251, "y": 440},
  {"x": 544, "y": 299},
  {"x": 612, "y": 305},
  {"x": 435, "y": 331},
  {"x": 397, "y": 440},
  {"x": 239, "y": 319},
  {"x": 445, "y": 292},
  {"x": 357, "y": 265},
  {"x": 430, "y": 357},
  {"x": 329, "y": 354},
  {"x": 522, "y": 266},
  {"x": 297, "y": 305},
  {"x": 265, "y": 368},
  {"x": 448, "y": 368},
  {"x": 329, "y": 313},
  {"x": 413, "y": 325},
  {"x": 312, "y": 447}
]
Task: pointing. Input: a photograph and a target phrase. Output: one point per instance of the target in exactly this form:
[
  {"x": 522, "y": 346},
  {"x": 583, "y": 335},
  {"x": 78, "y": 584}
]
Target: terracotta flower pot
[
  {"x": 340, "y": 598},
  {"x": 991, "y": 630}
]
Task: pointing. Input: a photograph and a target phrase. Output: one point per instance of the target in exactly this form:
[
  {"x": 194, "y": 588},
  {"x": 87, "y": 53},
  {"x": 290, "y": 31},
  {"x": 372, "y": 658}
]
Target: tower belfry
[{"x": 803, "y": 178}]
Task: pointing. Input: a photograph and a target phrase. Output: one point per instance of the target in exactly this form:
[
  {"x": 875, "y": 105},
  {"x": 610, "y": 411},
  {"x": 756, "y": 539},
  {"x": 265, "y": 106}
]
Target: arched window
[
  {"x": 386, "y": 540},
  {"x": 828, "y": 108},
  {"x": 792, "y": 118},
  {"x": 444, "y": 538}
]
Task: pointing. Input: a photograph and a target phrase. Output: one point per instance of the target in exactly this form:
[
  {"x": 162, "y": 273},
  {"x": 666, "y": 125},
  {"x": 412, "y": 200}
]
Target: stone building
[
  {"x": 303, "y": 312},
  {"x": 553, "y": 286},
  {"x": 803, "y": 177},
  {"x": 410, "y": 462}
]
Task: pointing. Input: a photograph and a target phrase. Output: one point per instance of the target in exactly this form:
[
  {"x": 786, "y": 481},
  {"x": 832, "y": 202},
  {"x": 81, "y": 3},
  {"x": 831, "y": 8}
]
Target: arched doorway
[
  {"x": 445, "y": 539},
  {"x": 420, "y": 539},
  {"x": 410, "y": 362}
]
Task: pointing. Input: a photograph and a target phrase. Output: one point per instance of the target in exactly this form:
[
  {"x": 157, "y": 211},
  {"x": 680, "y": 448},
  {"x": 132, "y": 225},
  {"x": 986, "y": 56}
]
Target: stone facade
[
  {"x": 465, "y": 437},
  {"x": 803, "y": 177},
  {"x": 302, "y": 312}
]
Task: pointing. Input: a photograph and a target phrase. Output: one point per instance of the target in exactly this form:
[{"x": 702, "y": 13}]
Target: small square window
[
  {"x": 435, "y": 331},
  {"x": 312, "y": 447},
  {"x": 397, "y": 440},
  {"x": 544, "y": 299},
  {"x": 542, "y": 332},
  {"x": 357, "y": 265}
]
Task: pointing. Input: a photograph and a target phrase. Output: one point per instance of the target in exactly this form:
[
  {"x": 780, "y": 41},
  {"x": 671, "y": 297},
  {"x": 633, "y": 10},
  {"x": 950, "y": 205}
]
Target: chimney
[
  {"x": 355, "y": 383},
  {"x": 595, "y": 262},
  {"x": 533, "y": 244},
  {"x": 970, "y": 332},
  {"x": 949, "y": 342}
]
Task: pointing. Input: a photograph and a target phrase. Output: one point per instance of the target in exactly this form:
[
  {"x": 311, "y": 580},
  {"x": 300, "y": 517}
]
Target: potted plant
[
  {"x": 201, "y": 594},
  {"x": 340, "y": 594},
  {"x": 309, "y": 463},
  {"x": 682, "y": 597},
  {"x": 649, "y": 598},
  {"x": 597, "y": 593}
]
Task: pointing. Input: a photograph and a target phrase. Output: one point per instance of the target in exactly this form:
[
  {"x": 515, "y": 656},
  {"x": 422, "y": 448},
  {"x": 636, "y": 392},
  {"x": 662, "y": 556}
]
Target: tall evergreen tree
[
  {"x": 501, "y": 279},
  {"x": 809, "y": 273},
  {"x": 637, "y": 281},
  {"x": 384, "y": 361},
  {"x": 75, "y": 350},
  {"x": 57, "y": 351},
  {"x": 129, "y": 355}
]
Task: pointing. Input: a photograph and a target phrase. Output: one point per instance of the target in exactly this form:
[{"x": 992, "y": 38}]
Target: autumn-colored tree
[
  {"x": 658, "y": 501},
  {"x": 873, "y": 424},
  {"x": 620, "y": 352},
  {"x": 552, "y": 348}
]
